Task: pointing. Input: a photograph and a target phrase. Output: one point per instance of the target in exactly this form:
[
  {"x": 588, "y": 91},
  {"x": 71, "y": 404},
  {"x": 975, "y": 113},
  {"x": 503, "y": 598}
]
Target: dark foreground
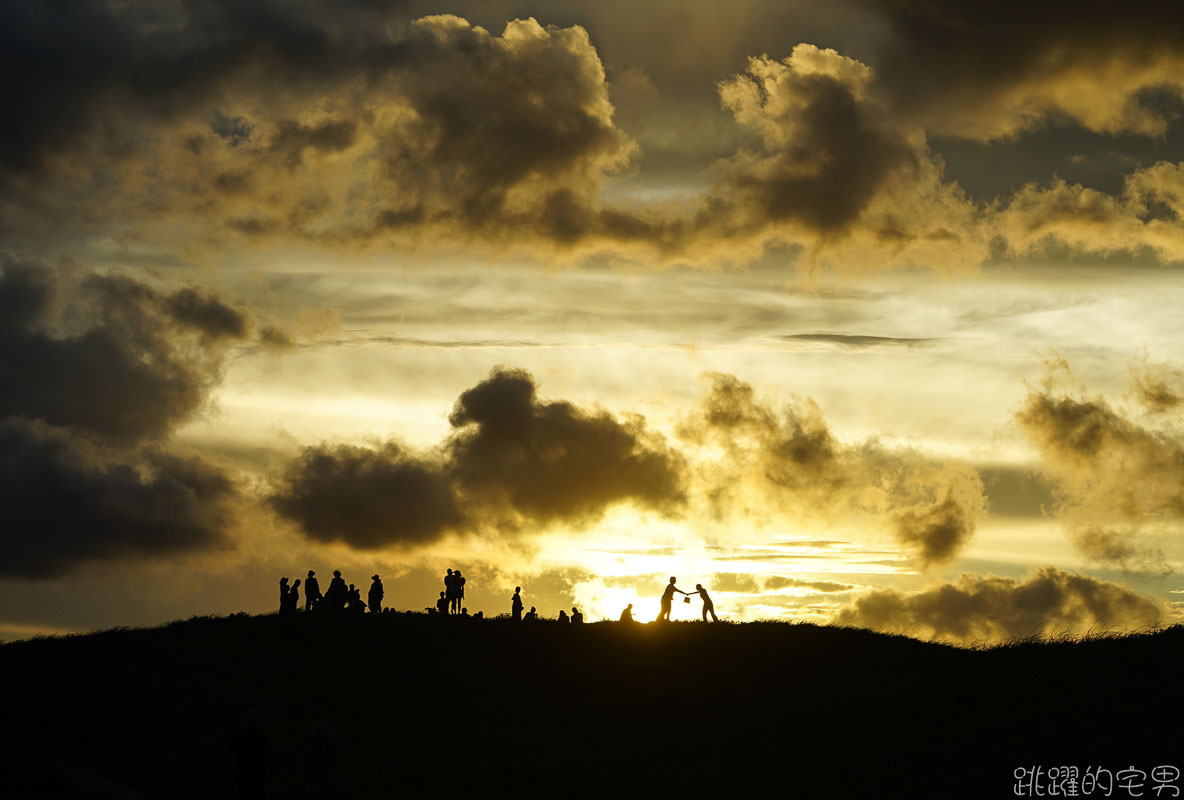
[{"x": 423, "y": 707}]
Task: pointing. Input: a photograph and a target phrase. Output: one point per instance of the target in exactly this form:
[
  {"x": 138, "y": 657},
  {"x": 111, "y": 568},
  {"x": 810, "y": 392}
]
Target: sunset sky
[{"x": 855, "y": 312}]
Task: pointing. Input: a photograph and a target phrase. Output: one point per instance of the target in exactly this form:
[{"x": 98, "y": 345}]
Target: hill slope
[{"x": 417, "y": 705}]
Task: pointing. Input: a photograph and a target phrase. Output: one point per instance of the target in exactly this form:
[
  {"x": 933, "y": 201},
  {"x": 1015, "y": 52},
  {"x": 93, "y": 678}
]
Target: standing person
[
  {"x": 458, "y": 590},
  {"x": 312, "y": 592},
  {"x": 708, "y": 606},
  {"x": 284, "y": 591},
  {"x": 288, "y": 604},
  {"x": 450, "y": 589},
  {"x": 516, "y": 604},
  {"x": 337, "y": 595},
  {"x": 627, "y": 614},
  {"x": 576, "y": 617},
  {"x": 668, "y": 598},
  {"x": 375, "y": 595}
]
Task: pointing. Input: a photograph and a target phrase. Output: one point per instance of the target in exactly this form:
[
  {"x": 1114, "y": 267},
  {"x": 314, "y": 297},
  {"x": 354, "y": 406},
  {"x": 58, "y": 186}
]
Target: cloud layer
[
  {"x": 1120, "y": 481},
  {"x": 789, "y": 459},
  {"x": 976, "y": 608},
  {"x": 95, "y": 373}
]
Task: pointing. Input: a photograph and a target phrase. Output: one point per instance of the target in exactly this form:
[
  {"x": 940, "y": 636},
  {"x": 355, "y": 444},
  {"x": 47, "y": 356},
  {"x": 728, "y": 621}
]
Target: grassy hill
[{"x": 420, "y": 706}]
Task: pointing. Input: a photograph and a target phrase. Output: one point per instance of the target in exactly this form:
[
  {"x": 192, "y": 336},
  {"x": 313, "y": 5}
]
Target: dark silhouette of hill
[{"x": 409, "y": 705}]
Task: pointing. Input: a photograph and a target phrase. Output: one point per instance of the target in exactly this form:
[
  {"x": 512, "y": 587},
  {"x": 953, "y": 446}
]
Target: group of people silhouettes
[
  {"x": 337, "y": 599},
  {"x": 342, "y": 599}
]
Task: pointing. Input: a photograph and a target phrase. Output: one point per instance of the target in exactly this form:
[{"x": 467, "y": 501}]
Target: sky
[{"x": 860, "y": 313}]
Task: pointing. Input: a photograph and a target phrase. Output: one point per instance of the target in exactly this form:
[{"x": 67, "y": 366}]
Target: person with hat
[
  {"x": 375, "y": 595},
  {"x": 312, "y": 592}
]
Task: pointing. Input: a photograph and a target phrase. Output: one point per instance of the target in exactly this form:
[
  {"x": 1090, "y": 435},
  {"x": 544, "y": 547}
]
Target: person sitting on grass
[{"x": 627, "y": 614}]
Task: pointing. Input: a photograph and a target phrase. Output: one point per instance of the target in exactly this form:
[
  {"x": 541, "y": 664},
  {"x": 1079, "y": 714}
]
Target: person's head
[
  {"x": 441, "y": 594},
  {"x": 699, "y": 586},
  {"x": 373, "y": 577},
  {"x": 457, "y": 573},
  {"x": 630, "y": 606},
  {"x": 283, "y": 581},
  {"x": 464, "y": 611},
  {"x": 532, "y": 609},
  {"x": 450, "y": 572},
  {"x": 673, "y": 579},
  {"x": 296, "y": 584},
  {"x": 311, "y": 573},
  {"x": 336, "y": 573},
  {"x": 575, "y": 610},
  {"x": 517, "y": 589}
]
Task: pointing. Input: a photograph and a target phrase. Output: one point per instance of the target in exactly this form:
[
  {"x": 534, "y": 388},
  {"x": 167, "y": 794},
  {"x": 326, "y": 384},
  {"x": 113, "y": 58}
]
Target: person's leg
[
  {"x": 714, "y": 618},
  {"x": 704, "y": 612}
]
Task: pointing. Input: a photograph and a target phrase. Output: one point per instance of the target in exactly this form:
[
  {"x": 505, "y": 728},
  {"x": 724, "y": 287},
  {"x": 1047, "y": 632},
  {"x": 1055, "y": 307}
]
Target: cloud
[
  {"x": 118, "y": 361},
  {"x": 512, "y": 462},
  {"x": 858, "y": 340},
  {"x": 1117, "y": 480},
  {"x": 791, "y": 460},
  {"x": 976, "y": 608},
  {"x": 965, "y": 69},
  {"x": 368, "y": 498},
  {"x": 65, "y": 503},
  {"x": 95, "y": 373}
]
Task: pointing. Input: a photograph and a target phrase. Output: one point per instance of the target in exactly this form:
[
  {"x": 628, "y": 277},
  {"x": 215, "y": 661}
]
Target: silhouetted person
[
  {"x": 248, "y": 751},
  {"x": 479, "y": 615},
  {"x": 576, "y": 616},
  {"x": 375, "y": 596},
  {"x": 458, "y": 590},
  {"x": 312, "y": 592},
  {"x": 627, "y": 614},
  {"x": 450, "y": 588},
  {"x": 356, "y": 606},
  {"x": 321, "y": 762},
  {"x": 516, "y": 604},
  {"x": 442, "y": 604},
  {"x": 563, "y": 616},
  {"x": 284, "y": 592},
  {"x": 464, "y": 612},
  {"x": 708, "y": 606},
  {"x": 289, "y": 603},
  {"x": 337, "y": 595},
  {"x": 668, "y": 598},
  {"x": 532, "y": 615}
]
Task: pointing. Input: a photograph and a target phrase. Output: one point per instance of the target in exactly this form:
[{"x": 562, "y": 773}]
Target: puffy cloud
[
  {"x": 1116, "y": 478},
  {"x": 976, "y": 608},
  {"x": 1147, "y": 216},
  {"x": 66, "y": 502},
  {"x": 95, "y": 372},
  {"x": 791, "y": 459},
  {"x": 964, "y": 68},
  {"x": 118, "y": 360},
  {"x": 367, "y": 497},
  {"x": 511, "y": 461},
  {"x": 308, "y": 122}
]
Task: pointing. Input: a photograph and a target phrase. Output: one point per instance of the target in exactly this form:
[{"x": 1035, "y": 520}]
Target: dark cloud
[
  {"x": 857, "y": 340},
  {"x": 1157, "y": 387},
  {"x": 95, "y": 372},
  {"x": 944, "y": 64},
  {"x": 974, "y": 608},
  {"x": 791, "y": 459},
  {"x": 513, "y": 461},
  {"x": 368, "y": 498},
  {"x": 1119, "y": 483},
  {"x": 116, "y": 362},
  {"x": 1017, "y": 491},
  {"x": 65, "y": 503}
]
